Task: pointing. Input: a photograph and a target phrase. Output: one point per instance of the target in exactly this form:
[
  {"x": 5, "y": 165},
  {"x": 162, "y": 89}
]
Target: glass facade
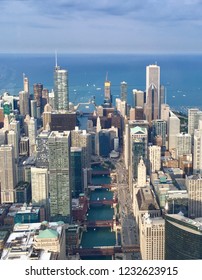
[{"x": 183, "y": 238}]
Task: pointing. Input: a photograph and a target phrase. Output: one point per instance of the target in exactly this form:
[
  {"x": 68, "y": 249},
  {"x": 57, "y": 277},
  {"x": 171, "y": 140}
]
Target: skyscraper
[
  {"x": 173, "y": 130},
  {"x": 24, "y": 102},
  {"x": 152, "y": 107},
  {"x": 59, "y": 175},
  {"x": 76, "y": 171},
  {"x": 154, "y": 156},
  {"x": 194, "y": 187},
  {"x": 152, "y": 238},
  {"x": 7, "y": 173},
  {"x": 183, "y": 238},
  {"x": 61, "y": 92},
  {"x": 38, "y": 88},
  {"x": 124, "y": 91},
  {"x": 40, "y": 188}
]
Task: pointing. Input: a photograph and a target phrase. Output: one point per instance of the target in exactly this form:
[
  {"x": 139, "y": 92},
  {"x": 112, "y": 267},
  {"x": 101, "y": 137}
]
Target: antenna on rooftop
[
  {"x": 107, "y": 76},
  {"x": 56, "y": 59}
]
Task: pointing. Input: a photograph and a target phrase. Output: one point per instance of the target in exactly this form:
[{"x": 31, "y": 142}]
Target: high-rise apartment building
[
  {"x": 152, "y": 238},
  {"x": 7, "y": 173},
  {"x": 194, "y": 189},
  {"x": 61, "y": 90},
  {"x": 59, "y": 175}
]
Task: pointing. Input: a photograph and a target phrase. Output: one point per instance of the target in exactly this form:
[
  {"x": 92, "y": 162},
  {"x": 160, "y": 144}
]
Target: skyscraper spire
[{"x": 56, "y": 59}]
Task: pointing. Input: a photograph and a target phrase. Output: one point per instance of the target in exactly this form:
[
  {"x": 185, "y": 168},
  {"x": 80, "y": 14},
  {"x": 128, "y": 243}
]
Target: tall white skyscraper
[
  {"x": 7, "y": 173},
  {"x": 61, "y": 91}
]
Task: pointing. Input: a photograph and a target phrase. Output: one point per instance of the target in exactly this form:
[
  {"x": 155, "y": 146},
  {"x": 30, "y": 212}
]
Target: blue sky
[{"x": 100, "y": 26}]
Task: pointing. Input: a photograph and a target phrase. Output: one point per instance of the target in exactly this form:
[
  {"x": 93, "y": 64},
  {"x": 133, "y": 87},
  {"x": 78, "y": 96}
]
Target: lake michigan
[{"x": 180, "y": 74}]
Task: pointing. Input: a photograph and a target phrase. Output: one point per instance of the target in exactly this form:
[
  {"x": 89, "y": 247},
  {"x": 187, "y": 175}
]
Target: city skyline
[{"x": 101, "y": 27}]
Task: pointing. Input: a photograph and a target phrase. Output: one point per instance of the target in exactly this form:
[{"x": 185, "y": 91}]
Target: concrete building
[
  {"x": 138, "y": 97},
  {"x": 154, "y": 158},
  {"x": 159, "y": 128},
  {"x": 173, "y": 130},
  {"x": 194, "y": 187},
  {"x": 59, "y": 175},
  {"x": 24, "y": 102},
  {"x": 40, "y": 188},
  {"x": 141, "y": 174},
  {"x": 183, "y": 144},
  {"x": 7, "y": 173},
  {"x": 32, "y": 134},
  {"x": 152, "y": 238},
  {"x": 36, "y": 241}
]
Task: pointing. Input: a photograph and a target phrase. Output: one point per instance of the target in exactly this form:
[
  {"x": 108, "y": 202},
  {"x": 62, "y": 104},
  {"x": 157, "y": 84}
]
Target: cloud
[{"x": 96, "y": 25}]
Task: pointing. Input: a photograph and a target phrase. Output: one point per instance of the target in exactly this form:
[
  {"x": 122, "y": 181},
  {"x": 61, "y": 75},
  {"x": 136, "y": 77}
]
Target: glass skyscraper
[{"x": 61, "y": 94}]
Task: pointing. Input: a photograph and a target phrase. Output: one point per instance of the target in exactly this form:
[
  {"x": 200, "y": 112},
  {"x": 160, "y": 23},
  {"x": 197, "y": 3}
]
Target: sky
[{"x": 100, "y": 26}]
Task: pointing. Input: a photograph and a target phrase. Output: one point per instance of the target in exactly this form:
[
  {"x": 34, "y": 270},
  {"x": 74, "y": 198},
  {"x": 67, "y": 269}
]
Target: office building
[
  {"x": 40, "y": 188},
  {"x": 194, "y": 189},
  {"x": 183, "y": 144},
  {"x": 24, "y": 102},
  {"x": 194, "y": 115},
  {"x": 61, "y": 89},
  {"x": 152, "y": 238},
  {"x": 38, "y": 88},
  {"x": 197, "y": 150},
  {"x": 138, "y": 98},
  {"x": 62, "y": 121},
  {"x": 159, "y": 129},
  {"x": 183, "y": 238},
  {"x": 76, "y": 171},
  {"x": 42, "y": 149},
  {"x": 59, "y": 175},
  {"x": 32, "y": 133},
  {"x": 123, "y": 91},
  {"x": 154, "y": 158},
  {"x": 152, "y": 106},
  {"x": 33, "y": 107},
  {"x": 173, "y": 130},
  {"x": 7, "y": 173}
]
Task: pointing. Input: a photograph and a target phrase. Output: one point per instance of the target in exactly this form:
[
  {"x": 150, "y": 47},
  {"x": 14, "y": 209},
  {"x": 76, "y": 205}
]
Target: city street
[{"x": 127, "y": 219}]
